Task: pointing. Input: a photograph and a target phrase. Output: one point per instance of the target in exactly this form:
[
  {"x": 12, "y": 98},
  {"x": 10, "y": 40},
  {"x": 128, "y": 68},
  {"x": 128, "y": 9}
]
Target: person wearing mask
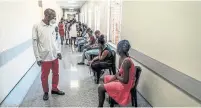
[
  {"x": 103, "y": 59},
  {"x": 61, "y": 30},
  {"x": 118, "y": 86},
  {"x": 47, "y": 52}
]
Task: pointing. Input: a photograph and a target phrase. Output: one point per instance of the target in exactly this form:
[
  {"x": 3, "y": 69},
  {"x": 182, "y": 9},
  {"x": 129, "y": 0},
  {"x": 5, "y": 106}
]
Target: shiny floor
[{"x": 75, "y": 81}]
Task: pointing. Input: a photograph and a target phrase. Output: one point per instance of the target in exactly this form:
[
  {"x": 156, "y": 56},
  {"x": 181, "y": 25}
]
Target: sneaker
[
  {"x": 81, "y": 63},
  {"x": 45, "y": 96},
  {"x": 58, "y": 92}
]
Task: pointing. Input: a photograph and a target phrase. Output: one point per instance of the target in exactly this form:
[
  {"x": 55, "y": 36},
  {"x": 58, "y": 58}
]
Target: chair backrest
[
  {"x": 113, "y": 62},
  {"x": 113, "y": 57},
  {"x": 137, "y": 75}
]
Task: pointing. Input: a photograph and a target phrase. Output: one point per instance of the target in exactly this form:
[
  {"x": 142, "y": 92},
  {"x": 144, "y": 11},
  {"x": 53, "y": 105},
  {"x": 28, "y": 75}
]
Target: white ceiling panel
[{"x": 71, "y": 4}]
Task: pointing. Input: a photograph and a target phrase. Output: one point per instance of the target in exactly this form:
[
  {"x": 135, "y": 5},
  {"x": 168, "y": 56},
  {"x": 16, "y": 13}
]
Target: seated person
[
  {"x": 83, "y": 40},
  {"x": 105, "y": 57},
  {"x": 118, "y": 86},
  {"x": 93, "y": 50},
  {"x": 91, "y": 42}
]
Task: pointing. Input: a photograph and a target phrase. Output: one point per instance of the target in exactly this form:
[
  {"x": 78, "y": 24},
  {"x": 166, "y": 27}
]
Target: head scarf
[{"x": 123, "y": 47}]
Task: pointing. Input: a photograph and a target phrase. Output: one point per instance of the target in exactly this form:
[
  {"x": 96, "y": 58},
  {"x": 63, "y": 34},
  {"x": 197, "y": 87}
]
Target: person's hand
[
  {"x": 59, "y": 56},
  {"x": 39, "y": 62},
  {"x": 117, "y": 74},
  {"x": 90, "y": 62}
]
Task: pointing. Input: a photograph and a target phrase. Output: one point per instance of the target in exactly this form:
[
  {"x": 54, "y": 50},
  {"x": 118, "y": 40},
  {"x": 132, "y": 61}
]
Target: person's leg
[
  {"x": 80, "y": 43},
  {"x": 85, "y": 46},
  {"x": 74, "y": 40},
  {"x": 55, "y": 78},
  {"x": 62, "y": 39},
  {"x": 55, "y": 75},
  {"x": 91, "y": 52},
  {"x": 97, "y": 70},
  {"x": 66, "y": 41},
  {"x": 83, "y": 57},
  {"x": 45, "y": 69},
  {"x": 70, "y": 40},
  {"x": 101, "y": 95}
]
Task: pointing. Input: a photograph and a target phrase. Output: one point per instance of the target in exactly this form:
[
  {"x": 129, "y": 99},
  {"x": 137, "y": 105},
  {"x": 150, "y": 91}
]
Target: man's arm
[
  {"x": 35, "y": 42},
  {"x": 58, "y": 48}
]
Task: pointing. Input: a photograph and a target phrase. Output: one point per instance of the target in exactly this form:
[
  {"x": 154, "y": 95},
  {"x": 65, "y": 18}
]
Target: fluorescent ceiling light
[{"x": 71, "y": 1}]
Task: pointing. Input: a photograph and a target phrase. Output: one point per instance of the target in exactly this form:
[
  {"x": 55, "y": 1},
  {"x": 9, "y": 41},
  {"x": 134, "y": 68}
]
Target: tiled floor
[{"x": 75, "y": 81}]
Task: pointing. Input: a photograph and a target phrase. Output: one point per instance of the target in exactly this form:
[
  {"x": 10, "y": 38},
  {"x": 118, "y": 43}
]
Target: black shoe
[
  {"x": 45, "y": 96},
  {"x": 58, "y": 92},
  {"x": 81, "y": 63}
]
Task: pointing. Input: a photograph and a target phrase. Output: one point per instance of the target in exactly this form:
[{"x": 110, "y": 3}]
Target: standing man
[
  {"x": 61, "y": 30},
  {"x": 47, "y": 52}
]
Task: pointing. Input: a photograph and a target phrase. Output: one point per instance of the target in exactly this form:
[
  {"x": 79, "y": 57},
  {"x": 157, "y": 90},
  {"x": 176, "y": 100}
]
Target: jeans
[
  {"x": 88, "y": 53},
  {"x": 62, "y": 39},
  {"x": 81, "y": 42},
  {"x": 94, "y": 52}
]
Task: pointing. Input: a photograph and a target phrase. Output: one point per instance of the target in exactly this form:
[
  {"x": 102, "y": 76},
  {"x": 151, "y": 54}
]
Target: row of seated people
[{"x": 118, "y": 85}]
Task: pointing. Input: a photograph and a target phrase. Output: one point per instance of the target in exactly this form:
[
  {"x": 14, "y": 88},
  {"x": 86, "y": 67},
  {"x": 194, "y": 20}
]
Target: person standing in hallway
[
  {"x": 67, "y": 27},
  {"x": 61, "y": 30},
  {"x": 47, "y": 52},
  {"x": 73, "y": 32}
]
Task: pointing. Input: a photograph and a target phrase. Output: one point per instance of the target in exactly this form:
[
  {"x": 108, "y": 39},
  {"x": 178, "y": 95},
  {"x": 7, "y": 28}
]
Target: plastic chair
[
  {"x": 133, "y": 90},
  {"x": 111, "y": 66}
]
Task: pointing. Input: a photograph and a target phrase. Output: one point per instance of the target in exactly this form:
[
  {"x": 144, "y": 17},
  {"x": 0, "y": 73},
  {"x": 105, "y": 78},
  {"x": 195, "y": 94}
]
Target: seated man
[
  {"x": 92, "y": 50},
  {"x": 105, "y": 57},
  {"x": 118, "y": 86}
]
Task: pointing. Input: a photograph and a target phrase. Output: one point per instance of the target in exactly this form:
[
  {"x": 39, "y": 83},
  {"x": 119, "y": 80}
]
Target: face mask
[{"x": 53, "y": 21}]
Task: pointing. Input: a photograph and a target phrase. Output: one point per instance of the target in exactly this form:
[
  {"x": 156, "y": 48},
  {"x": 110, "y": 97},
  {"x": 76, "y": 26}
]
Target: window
[{"x": 115, "y": 20}]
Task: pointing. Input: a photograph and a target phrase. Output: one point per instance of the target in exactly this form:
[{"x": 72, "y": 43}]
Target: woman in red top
[
  {"x": 61, "y": 30},
  {"x": 118, "y": 86}
]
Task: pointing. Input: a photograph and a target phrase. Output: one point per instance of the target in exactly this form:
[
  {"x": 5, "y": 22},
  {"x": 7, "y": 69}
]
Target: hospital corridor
[{"x": 100, "y": 53}]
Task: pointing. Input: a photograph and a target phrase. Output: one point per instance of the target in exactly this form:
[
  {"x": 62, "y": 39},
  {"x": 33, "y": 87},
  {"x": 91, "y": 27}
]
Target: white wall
[
  {"x": 17, "y": 19},
  {"x": 170, "y": 33},
  {"x": 166, "y": 31}
]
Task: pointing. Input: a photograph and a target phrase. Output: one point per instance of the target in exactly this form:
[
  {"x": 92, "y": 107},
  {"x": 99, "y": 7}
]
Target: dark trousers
[
  {"x": 73, "y": 39},
  {"x": 97, "y": 66}
]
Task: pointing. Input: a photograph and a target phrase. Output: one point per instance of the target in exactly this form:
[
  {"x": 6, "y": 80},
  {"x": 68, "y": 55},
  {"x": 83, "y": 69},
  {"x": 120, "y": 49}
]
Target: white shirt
[
  {"x": 44, "y": 42},
  {"x": 73, "y": 31}
]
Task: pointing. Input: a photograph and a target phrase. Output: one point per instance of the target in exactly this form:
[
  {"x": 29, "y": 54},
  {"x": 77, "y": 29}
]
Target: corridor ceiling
[{"x": 71, "y": 4}]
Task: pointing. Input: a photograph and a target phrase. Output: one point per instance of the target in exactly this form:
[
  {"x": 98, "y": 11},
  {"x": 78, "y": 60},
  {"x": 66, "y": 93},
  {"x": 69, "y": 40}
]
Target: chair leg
[
  {"x": 97, "y": 75},
  {"x": 111, "y": 101},
  {"x": 132, "y": 96},
  {"x": 113, "y": 70},
  {"x": 110, "y": 71},
  {"x": 135, "y": 97}
]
